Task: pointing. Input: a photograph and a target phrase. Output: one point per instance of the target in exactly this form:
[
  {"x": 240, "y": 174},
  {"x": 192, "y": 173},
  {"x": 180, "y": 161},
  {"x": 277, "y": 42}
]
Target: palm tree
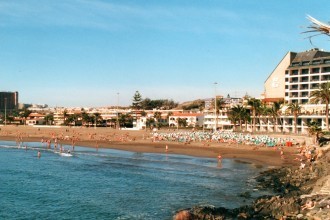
[
  {"x": 49, "y": 119},
  {"x": 85, "y": 118},
  {"x": 25, "y": 113},
  {"x": 254, "y": 104},
  {"x": 158, "y": 116},
  {"x": 237, "y": 113},
  {"x": 318, "y": 27},
  {"x": 263, "y": 110},
  {"x": 294, "y": 108},
  {"x": 97, "y": 118},
  {"x": 314, "y": 129},
  {"x": 322, "y": 95},
  {"x": 275, "y": 113}
]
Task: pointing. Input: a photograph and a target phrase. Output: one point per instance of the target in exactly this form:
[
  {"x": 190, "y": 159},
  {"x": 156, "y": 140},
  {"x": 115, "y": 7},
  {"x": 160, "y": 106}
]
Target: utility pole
[
  {"x": 215, "y": 107},
  {"x": 95, "y": 121},
  {"x": 5, "y": 111},
  {"x": 117, "y": 125}
]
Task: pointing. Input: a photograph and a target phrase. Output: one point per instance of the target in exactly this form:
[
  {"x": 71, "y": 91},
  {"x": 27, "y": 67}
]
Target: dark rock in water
[
  {"x": 288, "y": 183},
  {"x": 245, "y": 195}
]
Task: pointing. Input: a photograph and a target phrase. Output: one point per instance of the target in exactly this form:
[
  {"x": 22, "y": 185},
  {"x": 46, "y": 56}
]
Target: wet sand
[{"x": 141, "y": 141}]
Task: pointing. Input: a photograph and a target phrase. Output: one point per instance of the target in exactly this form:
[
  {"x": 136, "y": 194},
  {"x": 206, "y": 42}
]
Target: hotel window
[
  {"x": 299, "y": 121},
  {"x": 294, "y": 72},
  {"x": 315, "y": 70},
  {"x": 304, "y": 94},
  {"x": 326, "y": 78},
  {"x": 304, "y": 86},
  {"x": 315, "y": 78},
  {"x": 305, "y": 63},
  {"x": 294, "y": 80},
  {"x": 294, "y": 87},
  {"x": 304, "y": 101},
  {"x": 304, "y": 79},
  {"x": 326, "y": 69},
  {"x": 314, "y": 86},
  {"x": 304, "y": 71}
]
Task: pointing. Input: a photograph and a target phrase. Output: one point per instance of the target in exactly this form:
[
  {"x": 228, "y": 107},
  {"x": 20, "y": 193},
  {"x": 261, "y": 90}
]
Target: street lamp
[
  {"x": 5, "y": 111},
  {"x": 95, "y": 121},
  {"x": 215, "y": 107},
  {"x": 117, "y": 110}
]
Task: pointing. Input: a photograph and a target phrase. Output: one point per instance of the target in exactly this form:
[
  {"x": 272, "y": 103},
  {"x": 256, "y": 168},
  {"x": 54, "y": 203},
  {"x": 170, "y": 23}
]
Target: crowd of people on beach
[
  {"x": 222, "y": 137},
  {"x": 305, "y": 154}
]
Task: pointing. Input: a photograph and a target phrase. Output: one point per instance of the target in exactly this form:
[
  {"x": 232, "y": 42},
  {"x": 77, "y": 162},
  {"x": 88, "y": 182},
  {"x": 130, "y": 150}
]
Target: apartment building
[
  {"x": 304, "y": 75},
  {"x": 294, "y": 78},
  {"x": 8, "y": 101}
]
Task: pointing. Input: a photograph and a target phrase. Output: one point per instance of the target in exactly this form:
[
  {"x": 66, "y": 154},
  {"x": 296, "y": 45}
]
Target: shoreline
[
  {"x": 294, "y": 187},
  {"x": 141, "y": 141}
]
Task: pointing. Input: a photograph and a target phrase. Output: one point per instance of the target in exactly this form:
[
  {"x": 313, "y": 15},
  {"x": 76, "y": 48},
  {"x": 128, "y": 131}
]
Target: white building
[
  {"x": 192, "y": 119},
  {"x": 293, "y": 80}
]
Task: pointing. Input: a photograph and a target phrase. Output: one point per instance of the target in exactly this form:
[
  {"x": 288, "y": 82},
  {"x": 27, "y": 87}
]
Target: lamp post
[
  {"x": 95, "y": 121},
  {"x": 117, "y": 111},
  {"x": 215, "y": 107},
  {"x": 5, "y": 111}
]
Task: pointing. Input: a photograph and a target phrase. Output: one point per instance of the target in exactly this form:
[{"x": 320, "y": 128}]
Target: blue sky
[{"x": 82, "y": 53}]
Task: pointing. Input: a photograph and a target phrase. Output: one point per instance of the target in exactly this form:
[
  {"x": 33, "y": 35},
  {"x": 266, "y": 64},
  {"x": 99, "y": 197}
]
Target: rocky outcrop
[{"x": 299, "y": 194}]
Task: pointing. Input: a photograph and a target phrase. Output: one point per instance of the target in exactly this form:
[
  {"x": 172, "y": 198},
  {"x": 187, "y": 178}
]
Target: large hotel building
[
  {"x": 8, "y": 101},
  {"x": 293, "y": 80}
]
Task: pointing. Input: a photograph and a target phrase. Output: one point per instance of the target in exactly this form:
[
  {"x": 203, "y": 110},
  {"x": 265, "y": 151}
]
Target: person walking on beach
[
  {"x": 219, "y": 158},
  {"x": 166, "y": 148}
]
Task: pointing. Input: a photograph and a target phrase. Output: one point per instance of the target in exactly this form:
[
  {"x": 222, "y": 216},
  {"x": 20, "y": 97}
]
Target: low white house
[
  {"x": 192, "y": 119},
  {"x": 35, "y": 119}
]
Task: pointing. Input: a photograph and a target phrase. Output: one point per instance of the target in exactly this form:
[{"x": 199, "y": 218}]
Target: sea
[{"x": 114, "y": 184}]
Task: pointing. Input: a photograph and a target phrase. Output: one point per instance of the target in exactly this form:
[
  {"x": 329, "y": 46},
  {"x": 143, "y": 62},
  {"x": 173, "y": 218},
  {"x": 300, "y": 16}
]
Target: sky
[{"x": 96, "y": 53}]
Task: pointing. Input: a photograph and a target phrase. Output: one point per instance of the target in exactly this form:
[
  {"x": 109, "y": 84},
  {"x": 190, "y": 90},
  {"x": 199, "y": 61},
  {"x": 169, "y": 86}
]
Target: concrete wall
[{"x": 275, "y": 83}]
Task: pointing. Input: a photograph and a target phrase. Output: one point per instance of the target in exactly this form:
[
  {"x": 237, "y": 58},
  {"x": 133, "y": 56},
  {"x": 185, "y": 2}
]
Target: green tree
[
  {"x": 254, "y": 104},
  {"x": 322, "y": 95},
  {"x": 137, "y": 101},
  {"x": 314, "y": 129},
  {"x": 182, "y": 122},
  {"x": 294, "y": 108},
  {"x": 49, "y": 119},
  {"x": 238, "y": 114},
  {"x": 25, "y": 113},
  {"x": 96, "y": 118},
  {"x": 275, "y": 112},
  {"x": 86, "y": 119},
  {"x": 150, "y": 122},
  {"x": 125, "y": 120}
]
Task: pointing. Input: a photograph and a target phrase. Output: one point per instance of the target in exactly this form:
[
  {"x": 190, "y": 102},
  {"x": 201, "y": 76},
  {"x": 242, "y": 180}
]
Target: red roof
[
  {"x": 187, "y": 114},
  {"x": 267, "y": 100}
]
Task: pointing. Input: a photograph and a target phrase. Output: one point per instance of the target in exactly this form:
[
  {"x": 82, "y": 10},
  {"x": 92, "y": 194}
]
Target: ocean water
[{"x": 113, "y": 184}]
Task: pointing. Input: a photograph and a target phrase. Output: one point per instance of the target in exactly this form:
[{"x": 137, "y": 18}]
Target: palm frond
[{"x": 318, "y": 26}]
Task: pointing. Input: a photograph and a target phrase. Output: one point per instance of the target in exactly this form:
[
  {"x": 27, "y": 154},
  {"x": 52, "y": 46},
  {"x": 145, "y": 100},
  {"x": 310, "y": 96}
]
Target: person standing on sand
[
  {"x": 166, "y": 148},
  {"x": 282, "y": 154}
]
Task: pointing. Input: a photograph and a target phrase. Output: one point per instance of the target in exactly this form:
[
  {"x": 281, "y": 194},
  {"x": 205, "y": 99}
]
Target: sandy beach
[{"x": 142, "y": 141}]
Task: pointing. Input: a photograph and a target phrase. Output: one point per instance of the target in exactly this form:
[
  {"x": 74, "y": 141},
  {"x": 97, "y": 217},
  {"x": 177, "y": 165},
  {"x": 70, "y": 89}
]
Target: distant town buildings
[{"x": 293, "y": 80}]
